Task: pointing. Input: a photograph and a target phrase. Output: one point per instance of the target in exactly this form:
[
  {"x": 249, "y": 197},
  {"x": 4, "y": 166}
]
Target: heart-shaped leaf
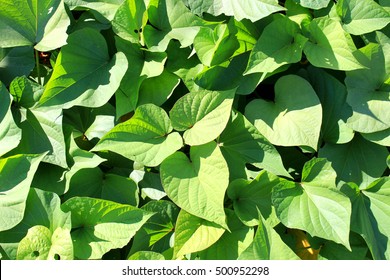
[
  {"x": 293, "y": 119},
  {"x": 314, "y": 205},
  {"x": 41, "y": 244},
  {"x": 193, "y": 234},
  {"x": 198, "y": 184},
  {"x": 145, "y": 138},
  {"x": 202, "y": 115},
  {"x": 41, "y": 23},
  {"x": 101, "y": 225},
  {"x": 81, "y": 76}
]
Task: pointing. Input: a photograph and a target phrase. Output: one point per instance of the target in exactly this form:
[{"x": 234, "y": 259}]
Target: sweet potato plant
[{"x": 194, "y": 129}]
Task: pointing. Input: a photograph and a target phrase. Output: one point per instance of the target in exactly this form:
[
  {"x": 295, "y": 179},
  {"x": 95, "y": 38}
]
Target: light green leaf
[
  {"x": 100, "y": 225},
  {"x": 358, "y": 161},
  {"x": 280, "y": 43},
  {"x": 314, "y": 205},
  {"x": 100, "y": 8},
  {"x": 42, "y": 244},
  {"x": 369, "y": 92},
  {"x": 14, "y": 187},
  {"x": 232, "y": 243},
  {"x": 293, "y": 119},
  {"x": 43, "y": 209},
  {"x": 193, "y": 234},
  {"x": 146, "y": 255},
  {"x": 249, "y": 197},
  {"x": 42, "y": 132},
  {"x": 243, "y": 9},
  {"x": 335, "y": 111},
  {"x": 329, "y": 46},
  {"x": 145, "y": 138},
  {"x": 156, "y": 234},
  {"x": 380, "y": 137},
  {"x": 245, "y": 144},
  {"x": 170, "y": 19},
  {"x": 10, "y": 134},
  {"x": 84, "y": 74},
  {"x": 313, "y": 4},
  {"x": 267, "y": 245},
  {"x": 197, "y": 185},
  {"x": 370, "y": 210},
  {"x": 129, "y": 20},
  {"x": 32, "y": 22},
  {"x": 214, "y": 46},
  {"x": 362, "y": 16},
  {"x": 202, "y": 115},
  {"x": 15, "y": 62}
]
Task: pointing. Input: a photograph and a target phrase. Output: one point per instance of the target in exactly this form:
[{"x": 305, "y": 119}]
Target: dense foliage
[{"x": 194, "y": 129}]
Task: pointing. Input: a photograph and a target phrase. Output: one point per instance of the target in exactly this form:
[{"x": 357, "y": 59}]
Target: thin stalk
[{"x": 37, "y": 66}]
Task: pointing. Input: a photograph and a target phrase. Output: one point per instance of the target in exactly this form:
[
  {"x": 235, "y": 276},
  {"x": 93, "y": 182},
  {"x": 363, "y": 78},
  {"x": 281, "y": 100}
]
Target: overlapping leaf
[
  {"x": 42, "y": 24},
  {"x": 197, "y": 184},
  {"x": 314, "y": 205},
  {"x": 145, "y": 138},
  {"x": 293, "y": 119},
  {"x": 101, "y": 225}
]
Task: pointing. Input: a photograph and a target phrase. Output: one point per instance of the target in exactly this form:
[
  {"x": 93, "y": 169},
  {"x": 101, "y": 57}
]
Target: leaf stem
[{"x": 37, "y": 66}]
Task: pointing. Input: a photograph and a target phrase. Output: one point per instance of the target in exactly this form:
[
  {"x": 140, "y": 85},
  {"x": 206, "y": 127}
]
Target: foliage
[{"x": 193, "y": 129}]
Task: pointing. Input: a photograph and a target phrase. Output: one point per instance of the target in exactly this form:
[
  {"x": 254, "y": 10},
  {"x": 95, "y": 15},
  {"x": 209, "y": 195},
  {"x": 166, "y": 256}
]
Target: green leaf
[
  {"x": 42, "y": 244},
  {"x": 100, "y": 225},
  {"x": 81, "y": 76},
  {"x": 157, "y": 90},
  {"x": 314, "y": 205},
  {"x": 363, "y": 16},
  {"x": 381, "y": 137},
  {"x": 193, "y": 234},
  {"x": 214, "y": 46},
  {"x": 40, "y": 23},
  {"x": 157, "y": 233},
  {"x": 202, "y": 115},
  {"x": 43, "y": 209},
  {"x": 369, "y": 92},
  {"x": 14, "y": 187},
  {"x": 267, "y": 245},
  {"x": 10, "y": 134},
  {"x": 104, "y": 10},
  {"x": 144, "y": 64},
  {"x": 42, "y": 132},
  {"x": 244, "y": 9},
  {"x": 370, "y": 210},
  {"x": 293, "y": 119},
  {"x": 14, "y": 62},
  {"x": 313, "y": 4},
  {"x": 329, "y": 46},
  {"x": 280, "y": 43},
  {"x": 358, "y": 161},
  {"x": 170, "y": 19},
  {"x": 245, "y": 144},
  {"x": 129, "y": 20},
  {"x": 146, "y": 255},
  {"x": 249, "y": 197},
  {"x": 197, "y": 185},
  {"x": 332, "y": 94},
  {"x": 232, "y": 243},
  {"x": 25, "y": 92},
  {"x": 145, "y": 138}
]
